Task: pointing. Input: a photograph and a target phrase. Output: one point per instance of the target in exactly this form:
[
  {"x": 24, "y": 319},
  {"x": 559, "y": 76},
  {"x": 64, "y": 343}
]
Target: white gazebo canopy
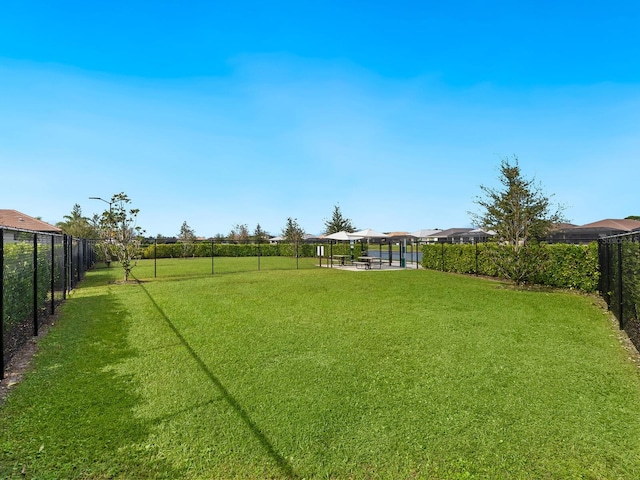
[
  {"x": 370, "y": 233},
  {"x": 343, "y": 236}
]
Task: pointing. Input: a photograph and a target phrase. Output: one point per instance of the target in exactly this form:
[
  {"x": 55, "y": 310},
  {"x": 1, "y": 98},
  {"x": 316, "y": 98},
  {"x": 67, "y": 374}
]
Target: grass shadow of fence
[{"x": 281, "y": 462}]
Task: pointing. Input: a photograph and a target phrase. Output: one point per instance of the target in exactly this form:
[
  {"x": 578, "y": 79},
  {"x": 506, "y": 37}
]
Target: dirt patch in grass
[{"x": 21, "y": 361}]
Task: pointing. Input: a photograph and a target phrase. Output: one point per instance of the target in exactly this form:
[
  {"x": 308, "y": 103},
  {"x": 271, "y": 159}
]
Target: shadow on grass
[
  {"x": 73, "y": 416},
  {"x": 284, "y": 466}
]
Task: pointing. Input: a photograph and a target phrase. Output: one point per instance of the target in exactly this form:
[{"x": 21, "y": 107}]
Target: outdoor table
[
  {"x": 370, "y": 260},
  {"x": 342, "y": 258}
]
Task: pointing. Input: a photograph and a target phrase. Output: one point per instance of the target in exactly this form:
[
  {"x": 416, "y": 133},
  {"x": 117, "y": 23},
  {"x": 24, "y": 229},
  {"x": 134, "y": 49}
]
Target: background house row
[{"x": 563, "y": 233}]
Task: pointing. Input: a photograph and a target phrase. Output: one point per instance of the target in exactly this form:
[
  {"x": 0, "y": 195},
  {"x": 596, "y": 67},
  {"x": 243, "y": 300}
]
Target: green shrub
[
  {"x": 203, "y": 249},
  {"x": 555, "y": 265},
  {"x": 18, "y": 280}
]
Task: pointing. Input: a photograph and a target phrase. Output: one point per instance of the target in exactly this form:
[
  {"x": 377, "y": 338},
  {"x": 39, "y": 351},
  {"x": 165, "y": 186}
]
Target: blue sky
[{"x": 224, "y": 113}]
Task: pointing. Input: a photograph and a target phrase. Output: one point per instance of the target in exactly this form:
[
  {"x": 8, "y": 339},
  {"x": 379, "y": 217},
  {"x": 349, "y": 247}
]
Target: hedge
[
  {"x": 203, "y": 249},
  {"x": 566, "y": 265},
  {"x": 18, "y": 281}
]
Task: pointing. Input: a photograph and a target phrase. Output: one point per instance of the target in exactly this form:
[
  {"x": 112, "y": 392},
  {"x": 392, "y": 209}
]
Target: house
[
  {"x": 451, "y": 235},
  {"x": 591, "y": 232},
  {"x": 20, "y": 221},
  {"x": 473, "y": 236},
  {"x": 425, "y": 234},
  {"x": 13, "y": 220}
]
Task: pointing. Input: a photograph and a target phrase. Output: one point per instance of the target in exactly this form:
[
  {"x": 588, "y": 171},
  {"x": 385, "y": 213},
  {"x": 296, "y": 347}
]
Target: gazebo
[{"x": 341, "y": 236}]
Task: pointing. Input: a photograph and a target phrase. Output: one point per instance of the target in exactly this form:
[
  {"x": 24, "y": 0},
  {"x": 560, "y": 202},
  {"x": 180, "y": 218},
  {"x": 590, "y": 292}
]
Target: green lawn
[{"x": 323, "y": 373}]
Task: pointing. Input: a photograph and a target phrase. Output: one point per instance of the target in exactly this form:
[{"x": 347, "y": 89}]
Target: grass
[
  {"x": 190, "y": 267},
  {"x": 321, "y": 373}
]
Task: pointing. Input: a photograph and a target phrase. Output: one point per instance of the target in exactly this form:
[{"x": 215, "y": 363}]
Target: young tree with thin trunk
[
  {"x": 120, "y": 234},
  {"x": 239, "y": 233},
  {"x": 187, "y": 237}
]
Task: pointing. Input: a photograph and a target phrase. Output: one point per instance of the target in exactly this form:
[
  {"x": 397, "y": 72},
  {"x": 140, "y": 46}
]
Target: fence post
[
  {"x": 212, "y": 255},
  {"x": 78, "y": 262},
  {"x": 35, "y": 284},
  {"x": 1, "y": 303},
  {"x": 476, "y": 243},
  {"x": 155, "y": 258},
  {"x": 620, "y": 306},
  {"x": 65, "y": 266},
  {"x": 53, "y": 274}
]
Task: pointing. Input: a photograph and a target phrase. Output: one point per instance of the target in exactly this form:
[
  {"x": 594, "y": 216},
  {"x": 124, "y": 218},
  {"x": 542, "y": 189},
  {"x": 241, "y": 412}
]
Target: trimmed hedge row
[
  {"x": 564, "y": 265},
  {"x": 18, "y": 281},
  {"x": 203, "y": 249}
]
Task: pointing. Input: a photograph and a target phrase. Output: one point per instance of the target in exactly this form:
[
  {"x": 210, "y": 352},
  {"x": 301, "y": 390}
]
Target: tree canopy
[
  {"x": 76, "y": 225},
  {"x": 120, "y": 236},
  {"x": 187, "y": 237},
  {"x": 259, "y": 235},
  {"x": 239, "y": 233},
  {"x": 292, "y": 231},
  {"x": 338, "y": 223},
  {"x": 519, "y": 212}
]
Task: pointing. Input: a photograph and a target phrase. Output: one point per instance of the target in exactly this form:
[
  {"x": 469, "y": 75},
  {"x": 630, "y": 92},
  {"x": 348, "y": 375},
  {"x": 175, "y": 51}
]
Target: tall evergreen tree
[
  {"x": 292, "y": 232},
  {"x": 520, "y": 214},
  {"x": 259, "y": 235},
  {"x": 338, "y": 223}
]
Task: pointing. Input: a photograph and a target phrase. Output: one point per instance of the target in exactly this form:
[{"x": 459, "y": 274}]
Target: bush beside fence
[
  {"x": 565, "y": 265},
  {"x": 620, "y": 281},
  {"x": 36, "y": 271},
  {"x": 205, "y": 249}
]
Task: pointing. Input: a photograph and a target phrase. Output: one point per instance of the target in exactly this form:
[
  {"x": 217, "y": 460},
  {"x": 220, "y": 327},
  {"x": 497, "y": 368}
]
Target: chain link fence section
[
  {"x": 619, "y": 258},
  {"x": 37, "y": 270}
]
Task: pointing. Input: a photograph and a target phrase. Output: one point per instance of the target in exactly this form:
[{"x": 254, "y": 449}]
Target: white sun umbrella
[
  {"x": 370, "y": 233},
  {"x": 344, "y": 236}
]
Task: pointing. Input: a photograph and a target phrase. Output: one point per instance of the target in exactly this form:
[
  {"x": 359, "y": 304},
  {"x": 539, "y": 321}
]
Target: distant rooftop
[
  {"x": 15, "y": 219},
  {"x": 624, "y": 225}
]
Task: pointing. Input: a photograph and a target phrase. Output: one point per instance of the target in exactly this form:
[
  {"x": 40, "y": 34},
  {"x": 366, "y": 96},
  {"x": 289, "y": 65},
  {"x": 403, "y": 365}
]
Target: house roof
[
  {"x": 449, "y": 232},
  {"x": 15, "y": 219},
  {"x": 399, "y": 234},
  {"x": 624, "y": 225},
  {"x": 425, "y": 232}
]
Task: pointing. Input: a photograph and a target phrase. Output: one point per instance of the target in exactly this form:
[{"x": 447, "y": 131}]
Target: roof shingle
[{"x": 15, "y": 219}]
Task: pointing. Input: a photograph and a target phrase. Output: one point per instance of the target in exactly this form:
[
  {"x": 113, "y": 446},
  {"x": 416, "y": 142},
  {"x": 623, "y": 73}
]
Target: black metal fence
[
  {"x": 270, "y": 256},
  {"x": 620, "y": 280},
  {"x": 37, "y": 270}
]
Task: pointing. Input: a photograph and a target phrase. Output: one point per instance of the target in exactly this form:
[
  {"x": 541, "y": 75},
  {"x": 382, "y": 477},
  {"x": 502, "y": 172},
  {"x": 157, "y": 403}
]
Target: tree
[
  {"x": 520, "y": 214},
  {"x": 338, "y": 223},
  {"x": 632, "y": 217},
  {"x": 186, "y": 237},
  {"x": 259, "y": 235},
  {"x": 120, "y": 234},
  {"x": 77, "y": 225},
  {"x": 239, "y": 233},
  {"x": 292, "y": 232}
]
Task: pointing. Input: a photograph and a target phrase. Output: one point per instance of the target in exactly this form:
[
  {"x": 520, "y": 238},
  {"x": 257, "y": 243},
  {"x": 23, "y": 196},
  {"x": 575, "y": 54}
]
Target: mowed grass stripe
[{"x": 325, "y": 373}]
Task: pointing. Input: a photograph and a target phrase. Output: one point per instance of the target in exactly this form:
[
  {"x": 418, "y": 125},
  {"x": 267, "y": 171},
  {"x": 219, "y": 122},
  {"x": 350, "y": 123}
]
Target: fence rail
[
  {"x": 37, "y": 270},
  {"x": 619, "y": 257}
]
